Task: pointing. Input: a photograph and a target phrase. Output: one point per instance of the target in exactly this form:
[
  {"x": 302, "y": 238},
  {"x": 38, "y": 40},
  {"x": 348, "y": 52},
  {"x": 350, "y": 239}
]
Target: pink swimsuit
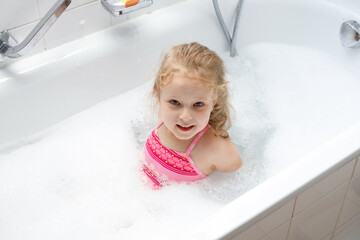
[{"x": 162, "y": 164}]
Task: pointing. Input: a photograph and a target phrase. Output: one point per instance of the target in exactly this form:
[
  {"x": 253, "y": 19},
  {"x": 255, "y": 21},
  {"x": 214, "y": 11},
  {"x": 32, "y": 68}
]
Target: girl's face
[{"x": 185, "y": 106}]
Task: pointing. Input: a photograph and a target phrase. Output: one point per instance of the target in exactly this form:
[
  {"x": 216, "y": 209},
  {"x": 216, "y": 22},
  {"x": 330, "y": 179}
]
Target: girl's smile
[{"x": 184, "y": 128}]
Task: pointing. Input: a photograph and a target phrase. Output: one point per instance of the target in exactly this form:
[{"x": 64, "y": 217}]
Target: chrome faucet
[
  {"x": 8, "y": 50},
  {"x": 350, "y": 34},
  {"x": 120, "y": 7}
]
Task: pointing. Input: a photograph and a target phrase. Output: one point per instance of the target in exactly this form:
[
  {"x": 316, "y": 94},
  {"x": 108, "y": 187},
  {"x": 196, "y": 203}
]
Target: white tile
[
  {"x": 269, "y": 223},
  {"x": 318, "y": 220},
  {"x": 328, "y": 237},
  {"x": 45, "y": 5},
  {"x": 348, "y": 211},
  {"x": 21, "y": 33},
  {"x": 16, "y": 13},
  {"x": 279, "y": 233},
  {"x": 275, "y": 219},
  {"x": 347, "y": 224},
  {"x": 77, "y": 23},
  {"x": 357, "y": 167},
  {"x": 354, "y": 190},
  {"x": 349, "y": 231},
  {"x": 251, "y": 233},
  {"x": 316, "y": 192}
]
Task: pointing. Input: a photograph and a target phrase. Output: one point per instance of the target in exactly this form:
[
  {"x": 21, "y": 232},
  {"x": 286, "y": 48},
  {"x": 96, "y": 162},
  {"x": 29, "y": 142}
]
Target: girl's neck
[{"x": 169, "y": 140}]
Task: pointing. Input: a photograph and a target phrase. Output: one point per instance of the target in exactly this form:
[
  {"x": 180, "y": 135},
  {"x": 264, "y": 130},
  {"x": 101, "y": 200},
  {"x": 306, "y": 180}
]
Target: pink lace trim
[{"x": 168, "y": 158}]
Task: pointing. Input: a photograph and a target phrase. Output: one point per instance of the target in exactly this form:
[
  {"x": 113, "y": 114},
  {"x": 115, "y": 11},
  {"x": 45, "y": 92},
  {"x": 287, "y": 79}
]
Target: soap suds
[{"x": 81, "y": 179}]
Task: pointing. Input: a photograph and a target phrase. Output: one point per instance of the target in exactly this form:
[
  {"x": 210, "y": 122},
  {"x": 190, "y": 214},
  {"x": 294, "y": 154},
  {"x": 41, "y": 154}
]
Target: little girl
[{"x": 190, "y": 141}]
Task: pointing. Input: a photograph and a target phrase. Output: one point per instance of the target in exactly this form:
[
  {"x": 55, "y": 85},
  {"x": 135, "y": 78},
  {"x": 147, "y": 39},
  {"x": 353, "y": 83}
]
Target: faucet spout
[{"x": 7, "y": 50}]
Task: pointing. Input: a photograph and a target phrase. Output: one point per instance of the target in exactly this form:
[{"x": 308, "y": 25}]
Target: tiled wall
[
  {"x": 81, "y": 18},
  {"x": 327, "y": 210}
]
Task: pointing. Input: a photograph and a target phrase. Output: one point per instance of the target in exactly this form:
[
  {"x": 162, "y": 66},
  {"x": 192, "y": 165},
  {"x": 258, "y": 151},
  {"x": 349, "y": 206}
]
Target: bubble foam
[{"x": 81, "y": 179}]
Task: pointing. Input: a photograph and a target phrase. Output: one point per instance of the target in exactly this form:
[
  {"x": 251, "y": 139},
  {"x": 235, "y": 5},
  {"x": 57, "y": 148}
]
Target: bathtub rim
[
  {"x": 334, "y": 147},
  {"x": 242, "y": 213}
]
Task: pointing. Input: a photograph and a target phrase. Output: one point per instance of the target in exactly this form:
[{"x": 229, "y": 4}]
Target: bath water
[{"x": 80, "y": 179}]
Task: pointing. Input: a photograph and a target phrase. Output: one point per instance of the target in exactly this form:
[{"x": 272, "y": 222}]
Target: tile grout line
[
  {"x": 291, "y": 218},
  {"x": 43, "y": 39},
  {"x": 23, "y": 25},
  {"x": 343, "y": 202},
  {"x": 326, "y": 194},
  {"x": 356, "y": 164},
  {"x": 279, "y": 226},
  {"x": 40, "y": 17},
  {"x": 82, "y": 5},
  {"x": 351, "y": 219}
]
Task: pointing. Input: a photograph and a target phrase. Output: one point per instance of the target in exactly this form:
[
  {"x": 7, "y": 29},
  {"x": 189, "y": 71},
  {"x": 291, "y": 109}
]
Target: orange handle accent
[{"x": 129, "y": 3}]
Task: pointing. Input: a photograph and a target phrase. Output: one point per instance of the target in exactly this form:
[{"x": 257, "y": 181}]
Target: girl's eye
[
  {"x": 174, "y": 102},
  {"x": 198, "y": 104}
]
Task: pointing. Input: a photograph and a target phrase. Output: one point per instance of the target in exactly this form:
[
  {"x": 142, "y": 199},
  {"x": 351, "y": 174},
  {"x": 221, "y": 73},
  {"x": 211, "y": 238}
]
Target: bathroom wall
[
  {"x": 81, "y": 18},
  {"x": 327, "y": 210}
]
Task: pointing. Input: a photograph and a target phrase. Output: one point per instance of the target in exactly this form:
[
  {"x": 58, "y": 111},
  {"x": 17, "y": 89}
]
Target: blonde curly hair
[{"x": 199, "y": 62}]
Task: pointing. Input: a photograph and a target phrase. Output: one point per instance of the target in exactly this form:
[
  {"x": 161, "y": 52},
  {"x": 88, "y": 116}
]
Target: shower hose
[{"x": 231, "y": 39}]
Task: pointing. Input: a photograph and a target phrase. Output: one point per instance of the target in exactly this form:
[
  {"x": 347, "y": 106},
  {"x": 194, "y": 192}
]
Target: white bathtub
[{"x": 43, "y": 90}]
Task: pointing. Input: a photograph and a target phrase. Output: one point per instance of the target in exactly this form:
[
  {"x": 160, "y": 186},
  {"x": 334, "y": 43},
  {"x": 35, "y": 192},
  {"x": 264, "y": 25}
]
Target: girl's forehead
[
  {"x": 187, "y": 88},
  {"x": 186, "y": 79}
]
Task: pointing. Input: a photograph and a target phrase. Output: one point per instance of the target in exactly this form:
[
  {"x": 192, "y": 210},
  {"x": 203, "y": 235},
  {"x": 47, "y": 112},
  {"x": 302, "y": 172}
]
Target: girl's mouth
[{"x": 184, "y": 128}]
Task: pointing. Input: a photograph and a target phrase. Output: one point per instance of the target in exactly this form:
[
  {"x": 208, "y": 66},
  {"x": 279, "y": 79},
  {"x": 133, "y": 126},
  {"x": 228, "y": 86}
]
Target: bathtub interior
[{"x": 282, "y": 114}]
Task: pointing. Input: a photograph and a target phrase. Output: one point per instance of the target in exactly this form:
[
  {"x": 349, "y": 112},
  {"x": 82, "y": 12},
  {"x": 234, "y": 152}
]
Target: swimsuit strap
[
  {"x": 158, "y": 125},
  {"x": 197, "y": 138}
]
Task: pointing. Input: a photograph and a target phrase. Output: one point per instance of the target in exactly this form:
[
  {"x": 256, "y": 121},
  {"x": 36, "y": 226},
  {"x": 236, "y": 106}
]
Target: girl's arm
[{"x": 224, "y": 155}]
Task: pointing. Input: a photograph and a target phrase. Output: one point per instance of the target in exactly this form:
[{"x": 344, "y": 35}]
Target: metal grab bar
[{"x": 6, "y": 50}]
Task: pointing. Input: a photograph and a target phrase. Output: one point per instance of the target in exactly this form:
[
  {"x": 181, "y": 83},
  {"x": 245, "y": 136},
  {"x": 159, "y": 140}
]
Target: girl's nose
[{"x": 185, "y": 115}]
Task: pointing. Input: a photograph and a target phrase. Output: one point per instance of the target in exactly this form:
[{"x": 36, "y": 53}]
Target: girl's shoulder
[{"x": 221, "y": 152}]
